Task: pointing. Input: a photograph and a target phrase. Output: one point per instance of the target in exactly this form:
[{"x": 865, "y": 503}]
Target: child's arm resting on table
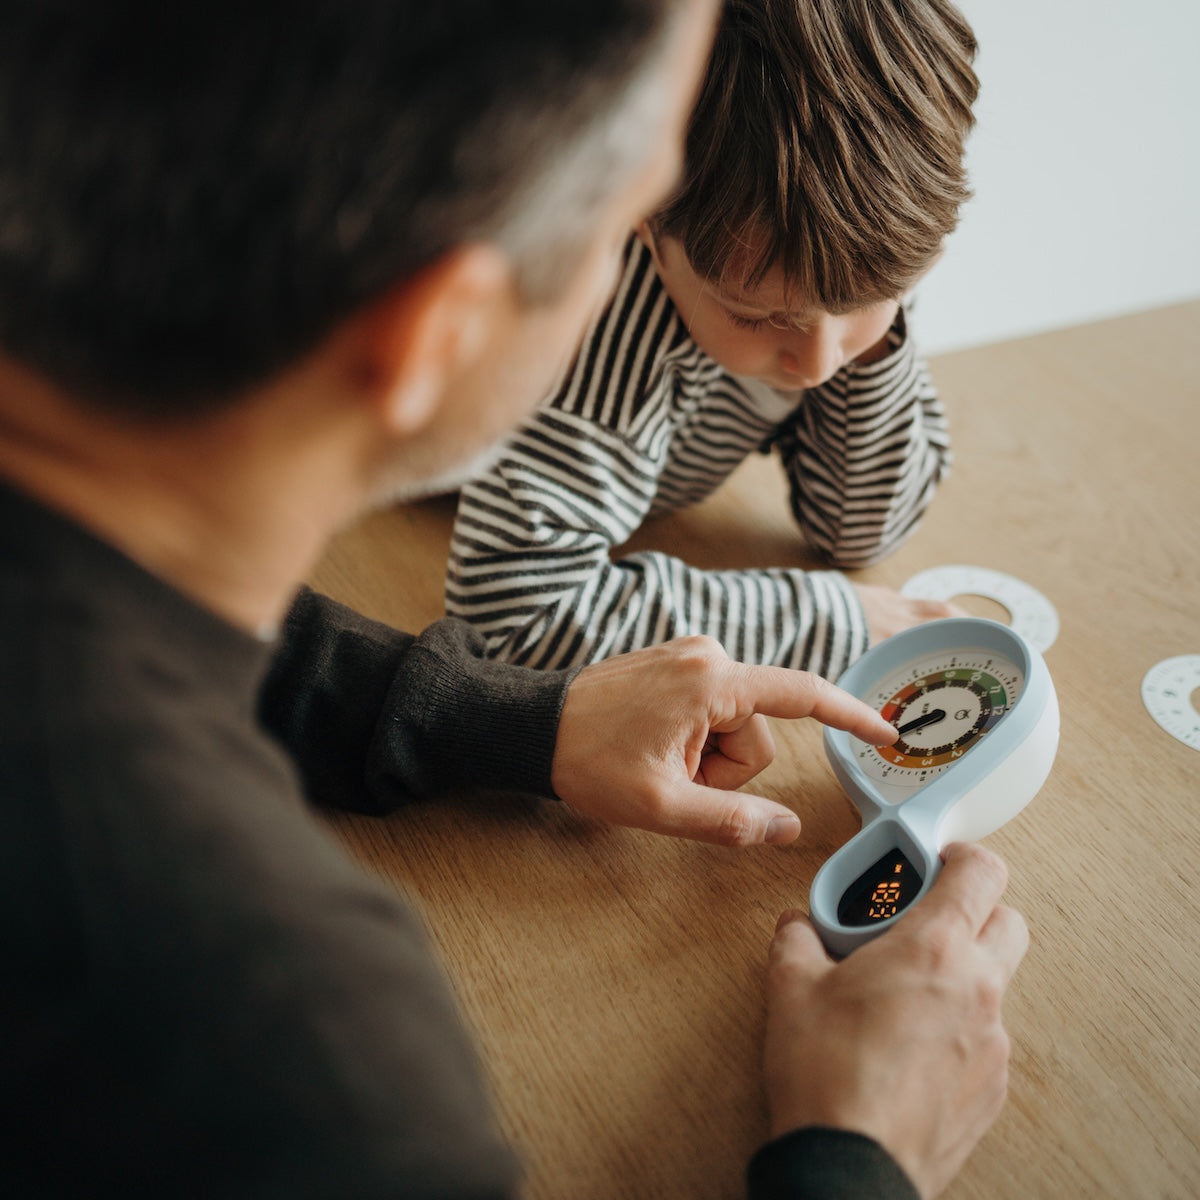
[
  {"x": 530, "y": 567},
  {"x": 864, "y": 454}
]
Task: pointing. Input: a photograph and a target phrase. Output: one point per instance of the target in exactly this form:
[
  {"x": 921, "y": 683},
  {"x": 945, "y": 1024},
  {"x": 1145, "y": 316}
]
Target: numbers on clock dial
[{"x": 941, "y": 709}]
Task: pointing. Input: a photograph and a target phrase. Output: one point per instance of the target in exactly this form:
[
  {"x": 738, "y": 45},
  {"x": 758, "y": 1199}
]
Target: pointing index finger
[{"x": 781, "y": 692}]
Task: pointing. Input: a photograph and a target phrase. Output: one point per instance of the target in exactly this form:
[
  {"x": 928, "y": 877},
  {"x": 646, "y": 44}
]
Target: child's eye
[{"x": 746, "y": 322}]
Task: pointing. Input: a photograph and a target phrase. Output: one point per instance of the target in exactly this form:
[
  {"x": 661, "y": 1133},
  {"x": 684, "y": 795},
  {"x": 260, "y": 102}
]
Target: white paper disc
[
  {"x": 1033, "y": 616},
  {"x": 1167, "y": 694}
]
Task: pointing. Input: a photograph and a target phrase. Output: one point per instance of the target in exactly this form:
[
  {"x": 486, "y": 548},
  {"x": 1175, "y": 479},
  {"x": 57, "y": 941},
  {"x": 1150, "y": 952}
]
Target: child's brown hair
[{"x": 828, "y": 140}]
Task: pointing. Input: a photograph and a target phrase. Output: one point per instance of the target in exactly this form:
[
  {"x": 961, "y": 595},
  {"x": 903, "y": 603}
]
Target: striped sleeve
[
  {"x": 864, "y": 454},
  {"x": 530, "y": 567}
]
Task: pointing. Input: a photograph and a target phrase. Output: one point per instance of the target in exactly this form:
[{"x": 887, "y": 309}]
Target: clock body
[{"x": 978, "y": 721}]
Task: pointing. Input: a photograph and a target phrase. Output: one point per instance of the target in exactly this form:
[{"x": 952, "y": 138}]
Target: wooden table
[{"x": 613, "y": 977}]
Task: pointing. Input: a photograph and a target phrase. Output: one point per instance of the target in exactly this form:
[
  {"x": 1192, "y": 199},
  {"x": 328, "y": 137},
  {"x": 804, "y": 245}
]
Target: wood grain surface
[{"x": 613, "y": 978}]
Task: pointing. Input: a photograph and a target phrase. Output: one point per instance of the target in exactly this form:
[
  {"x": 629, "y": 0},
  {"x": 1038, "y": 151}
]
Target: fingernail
[{"x": 782, "y": 829}]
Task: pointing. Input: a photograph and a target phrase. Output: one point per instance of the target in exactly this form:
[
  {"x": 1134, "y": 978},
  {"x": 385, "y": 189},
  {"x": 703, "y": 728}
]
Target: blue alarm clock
[{"x": 977, "y": 717}]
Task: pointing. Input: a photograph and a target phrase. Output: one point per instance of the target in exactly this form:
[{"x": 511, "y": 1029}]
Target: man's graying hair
[{"x": 192, "y": 195}]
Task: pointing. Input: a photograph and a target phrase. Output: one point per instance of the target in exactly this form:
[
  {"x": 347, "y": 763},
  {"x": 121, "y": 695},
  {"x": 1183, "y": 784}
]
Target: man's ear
[{"x": 414, "y": 341}]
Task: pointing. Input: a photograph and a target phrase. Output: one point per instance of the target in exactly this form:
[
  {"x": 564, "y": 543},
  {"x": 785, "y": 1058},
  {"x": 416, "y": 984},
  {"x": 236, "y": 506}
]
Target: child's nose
[{"x": 813, "y": 356}]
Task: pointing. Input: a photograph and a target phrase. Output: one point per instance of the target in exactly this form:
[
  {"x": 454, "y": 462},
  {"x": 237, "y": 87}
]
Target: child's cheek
[{"x": 741, "y": 352}]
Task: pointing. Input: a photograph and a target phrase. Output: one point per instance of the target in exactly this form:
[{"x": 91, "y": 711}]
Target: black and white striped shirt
[{"x": 644, "y": 422}]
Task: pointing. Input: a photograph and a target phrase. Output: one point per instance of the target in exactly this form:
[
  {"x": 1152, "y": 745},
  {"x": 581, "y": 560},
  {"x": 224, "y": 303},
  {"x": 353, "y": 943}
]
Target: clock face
[{"x": 942, "y": 705}]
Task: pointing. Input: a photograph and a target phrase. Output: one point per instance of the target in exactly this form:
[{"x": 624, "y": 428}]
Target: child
[{"x": 763, "y": 305}]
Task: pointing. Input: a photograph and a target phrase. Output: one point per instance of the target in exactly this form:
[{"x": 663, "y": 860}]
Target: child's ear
[
  {"x": 416, "y": 339},
  {"x": 645, "y": 231}
]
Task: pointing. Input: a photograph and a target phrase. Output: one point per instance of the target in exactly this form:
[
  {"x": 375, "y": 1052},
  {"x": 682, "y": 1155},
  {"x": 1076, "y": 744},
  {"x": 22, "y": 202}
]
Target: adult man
[{"x": 261, "y": 265}]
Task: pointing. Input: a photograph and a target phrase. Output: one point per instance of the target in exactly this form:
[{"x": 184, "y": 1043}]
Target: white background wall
[{"x": 1085, "y": 164}]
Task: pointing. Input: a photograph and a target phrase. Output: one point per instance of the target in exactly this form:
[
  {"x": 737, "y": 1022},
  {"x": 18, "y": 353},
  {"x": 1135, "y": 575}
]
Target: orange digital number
[{"x": 885, "y": 901}]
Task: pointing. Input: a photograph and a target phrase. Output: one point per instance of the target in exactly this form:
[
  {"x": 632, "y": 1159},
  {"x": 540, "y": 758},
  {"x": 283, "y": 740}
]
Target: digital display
[{"x": 885, "y": 888}]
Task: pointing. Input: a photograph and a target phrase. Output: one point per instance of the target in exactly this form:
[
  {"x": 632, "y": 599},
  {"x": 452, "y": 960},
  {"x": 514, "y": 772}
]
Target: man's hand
[
  {"x": 902, "y": 1040},
  {"x": 889, "y": 612},
  {"x": 660, "y": 738}
]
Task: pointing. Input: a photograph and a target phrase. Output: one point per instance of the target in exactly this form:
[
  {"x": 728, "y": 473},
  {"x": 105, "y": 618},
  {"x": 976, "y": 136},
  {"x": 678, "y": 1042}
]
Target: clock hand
[{"x": 929, "y": 718}]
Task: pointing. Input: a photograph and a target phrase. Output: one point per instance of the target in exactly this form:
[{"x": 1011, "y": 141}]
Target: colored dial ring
[{"x": 976, "y": 699}]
